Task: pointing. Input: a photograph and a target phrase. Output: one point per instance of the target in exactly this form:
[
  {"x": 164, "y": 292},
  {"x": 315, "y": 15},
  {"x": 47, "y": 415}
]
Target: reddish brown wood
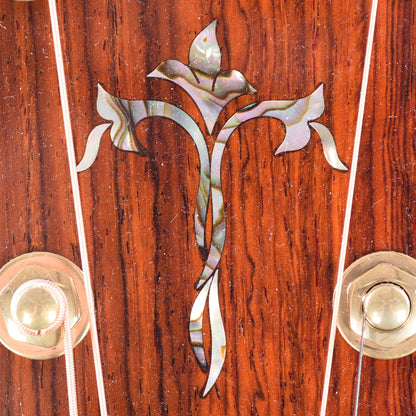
[{"x": 284, "y": 214}]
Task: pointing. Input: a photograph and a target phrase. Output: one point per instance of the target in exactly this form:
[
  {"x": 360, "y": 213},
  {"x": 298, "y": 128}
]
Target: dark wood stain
[{"x": 284, "y": 214}]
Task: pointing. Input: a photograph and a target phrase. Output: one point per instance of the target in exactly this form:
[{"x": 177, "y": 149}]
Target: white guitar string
[
  {"x": 77, "y": 204},
  {"x": 348, "y": 208},
  {"x": 62, "y": 318}
]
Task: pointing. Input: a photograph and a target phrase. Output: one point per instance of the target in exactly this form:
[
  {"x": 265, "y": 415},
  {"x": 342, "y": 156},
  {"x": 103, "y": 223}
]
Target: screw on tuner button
[
  {"x": 384, "y": 285},
  {"x": 27, "y": 311}
]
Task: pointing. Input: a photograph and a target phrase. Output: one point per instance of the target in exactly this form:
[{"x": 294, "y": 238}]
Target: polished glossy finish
[
  {"x": 384, "y": 283},
  {"x": 37, "y": 308}
]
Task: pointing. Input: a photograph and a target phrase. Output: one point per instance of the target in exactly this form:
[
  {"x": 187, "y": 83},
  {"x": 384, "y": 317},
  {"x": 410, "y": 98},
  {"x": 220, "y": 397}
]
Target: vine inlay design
[{"x": 211, "y": 89}]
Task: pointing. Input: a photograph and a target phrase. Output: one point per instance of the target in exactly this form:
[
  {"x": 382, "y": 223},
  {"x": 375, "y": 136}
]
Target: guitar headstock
[{"x": 208, "y": 182}]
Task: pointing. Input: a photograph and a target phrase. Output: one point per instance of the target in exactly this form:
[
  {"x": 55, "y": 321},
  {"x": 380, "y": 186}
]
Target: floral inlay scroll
[{"x": 211, "y": 89}]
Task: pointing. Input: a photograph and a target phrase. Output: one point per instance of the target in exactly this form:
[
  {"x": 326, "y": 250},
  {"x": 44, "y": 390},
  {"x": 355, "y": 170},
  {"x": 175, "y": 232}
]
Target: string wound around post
[
  {"x": 384, "y": 285},
  {"x": 37, "y": 307}
]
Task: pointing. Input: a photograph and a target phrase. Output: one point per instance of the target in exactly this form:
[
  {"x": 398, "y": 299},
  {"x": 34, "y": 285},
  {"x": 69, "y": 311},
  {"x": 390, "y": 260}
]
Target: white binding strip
[
  {"x": 348, "y": 208},
  {"x": 77, "y": 204}
]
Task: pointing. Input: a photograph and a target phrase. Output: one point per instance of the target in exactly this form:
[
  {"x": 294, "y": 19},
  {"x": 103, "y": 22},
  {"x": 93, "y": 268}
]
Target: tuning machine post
[
  {"x": 384, "y": 284},
  {"x": 38, "y": 307}
]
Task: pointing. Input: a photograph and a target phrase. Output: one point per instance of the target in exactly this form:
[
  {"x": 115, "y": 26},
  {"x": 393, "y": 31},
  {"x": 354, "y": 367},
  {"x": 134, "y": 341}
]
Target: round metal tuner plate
[
  {"x": 38, "y": 308},
  {"x": 384, "y": 285}
]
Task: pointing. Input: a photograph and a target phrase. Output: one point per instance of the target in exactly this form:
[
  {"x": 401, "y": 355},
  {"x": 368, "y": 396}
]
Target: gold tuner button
[
  {"x": 387, "y": 306},
  {"x": 29, "y": 309},
  {"x": 384, "y": 285}
]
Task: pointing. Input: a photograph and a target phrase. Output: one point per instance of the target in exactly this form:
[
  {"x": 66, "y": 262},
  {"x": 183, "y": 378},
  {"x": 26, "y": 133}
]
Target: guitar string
[
  {"x": 360, "y": 364},
  {"x": 348, "y": 208},
  {"x": 77, "y": 204}
]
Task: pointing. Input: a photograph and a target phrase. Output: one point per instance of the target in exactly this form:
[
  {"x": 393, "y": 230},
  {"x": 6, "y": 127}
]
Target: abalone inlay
[{"x": 211, "y": 89}]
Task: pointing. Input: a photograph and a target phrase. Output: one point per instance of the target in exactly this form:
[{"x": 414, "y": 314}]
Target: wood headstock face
[{"x": 283, "y": 214}]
